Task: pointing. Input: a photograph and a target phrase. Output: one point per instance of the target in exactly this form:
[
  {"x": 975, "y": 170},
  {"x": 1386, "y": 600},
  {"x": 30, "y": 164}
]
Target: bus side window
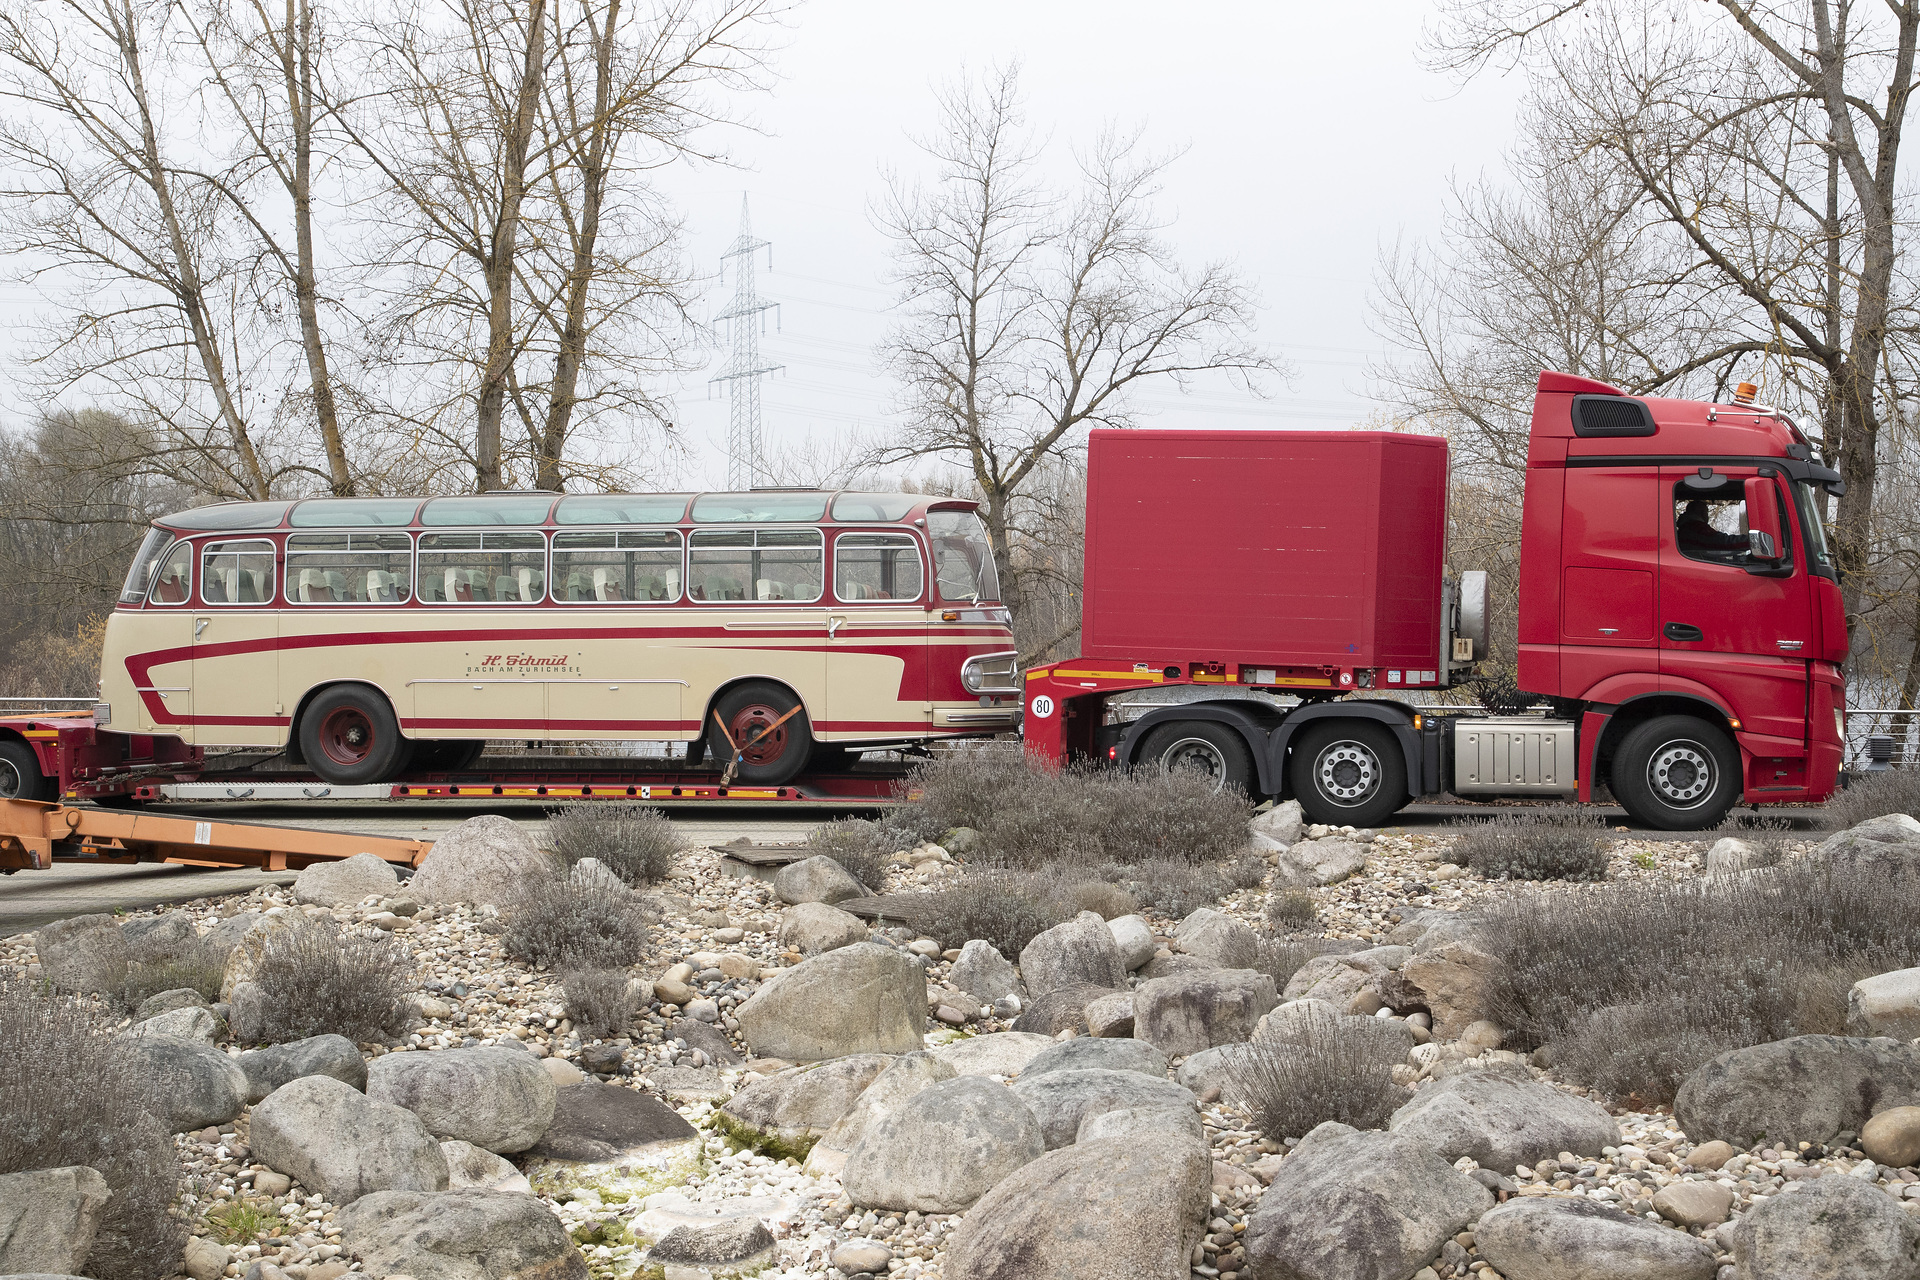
[
  {"x": 349, "y": 568},
  {"x": 616, "y": 567},
  {"x": 483, "y": 568},
  {"x": 171, "y": 583},
  {"x": 757, "y": 564},
  {"x": 876, "y": 566}
]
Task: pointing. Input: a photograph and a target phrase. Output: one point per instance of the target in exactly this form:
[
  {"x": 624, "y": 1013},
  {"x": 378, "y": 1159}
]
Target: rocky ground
[{"x": 697, "y": 1144}]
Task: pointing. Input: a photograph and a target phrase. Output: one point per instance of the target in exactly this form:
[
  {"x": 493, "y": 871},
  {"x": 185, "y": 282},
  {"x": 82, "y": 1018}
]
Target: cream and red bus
[{"x": 373, "y": 636}]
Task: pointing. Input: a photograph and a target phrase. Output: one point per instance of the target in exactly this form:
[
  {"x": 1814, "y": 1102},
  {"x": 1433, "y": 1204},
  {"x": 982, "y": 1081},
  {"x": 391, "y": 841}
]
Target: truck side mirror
[{"x": 1763, "y": 520}]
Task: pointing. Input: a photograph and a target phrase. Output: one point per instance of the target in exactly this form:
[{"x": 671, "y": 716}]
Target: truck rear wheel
[
  {"x": 1349, "y": 773},
  {"x": 1200, "y": 746},
  {"x": 349, "y": 737},
  {"x": 770, "y": 756},
  {"x": 20, "y": 776},
  {"x": 1677, "y": 773}
]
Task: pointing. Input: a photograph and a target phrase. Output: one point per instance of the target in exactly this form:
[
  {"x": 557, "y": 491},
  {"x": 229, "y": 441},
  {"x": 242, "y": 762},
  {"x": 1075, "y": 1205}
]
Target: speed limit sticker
[{"x": 1042, "y": 706}]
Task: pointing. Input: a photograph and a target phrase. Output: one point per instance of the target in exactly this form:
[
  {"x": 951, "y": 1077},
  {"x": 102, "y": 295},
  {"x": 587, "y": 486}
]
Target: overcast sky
[{"x": 1313, "y": 137}]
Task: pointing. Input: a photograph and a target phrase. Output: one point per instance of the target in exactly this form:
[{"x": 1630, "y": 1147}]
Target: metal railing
[
  {"x": 1882, "y": 737},
  {"x": 21, "y": 706}
]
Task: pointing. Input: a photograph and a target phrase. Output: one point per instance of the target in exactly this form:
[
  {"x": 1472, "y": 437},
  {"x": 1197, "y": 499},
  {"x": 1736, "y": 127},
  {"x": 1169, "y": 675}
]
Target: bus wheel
[
  {"x": 1349, "y": 773},
  {"x": 1677, "y": 773},
  {"x": 1213, "y": 751},
  {"x": 349, "y": 736},
  {"x": 20, "y": 776},
  {"x": 771, "y": 755}
]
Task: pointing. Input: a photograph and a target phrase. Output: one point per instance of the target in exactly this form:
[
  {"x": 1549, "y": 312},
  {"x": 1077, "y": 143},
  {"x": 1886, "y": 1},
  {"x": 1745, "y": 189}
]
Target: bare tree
[{"x": 1030, "y": 315}]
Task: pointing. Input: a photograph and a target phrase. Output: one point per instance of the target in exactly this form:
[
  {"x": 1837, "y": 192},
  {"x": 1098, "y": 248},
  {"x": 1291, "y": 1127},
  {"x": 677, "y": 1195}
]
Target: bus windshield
[
  {"x": 962, "y": 557},
  {"x": 144, "y": 563}
]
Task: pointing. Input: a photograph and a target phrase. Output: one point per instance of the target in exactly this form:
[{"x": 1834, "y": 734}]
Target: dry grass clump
[
  {"x": 599, "y": 1001},
  {"x": 860, "y": 846},
  {"x": 1533, "y": 846},
  {"x": 318, "y": 980},
  {"x": 1874, "y": 795},
  {"x": 1006, "y": 909},
  {"x": 635, "y": 841},
  {"x": 1280, "y": 959},
  {"x": 71, "y": 1096},
  {"x": 1331, "y": 1072},
  {"x": 576, "y": 926},
  {"x": 1291, "y": 911},
  {"x": 1632, "y": 987},
  {"x": 200, "y": 972}
]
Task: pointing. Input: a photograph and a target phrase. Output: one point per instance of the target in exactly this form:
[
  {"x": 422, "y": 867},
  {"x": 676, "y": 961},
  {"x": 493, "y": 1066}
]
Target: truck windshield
[
  {"x": 962, "y": 557},
  {"x": 1813, "y": 519},
  {"x": 144, "y": 563}
]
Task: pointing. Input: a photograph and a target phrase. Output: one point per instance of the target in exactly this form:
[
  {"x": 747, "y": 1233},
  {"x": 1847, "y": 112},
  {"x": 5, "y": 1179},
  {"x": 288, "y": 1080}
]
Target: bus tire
[
  {"x": 350, "y": 737},
  {"x": 1349, "y": 773},
  {"x": 1212, "y": 750},
  {"x": 20, "y": 776},
  {"x": 447, "y": 755},
  {"x": 1676, "y": 773},
  {"x": 778, "y": 755}
]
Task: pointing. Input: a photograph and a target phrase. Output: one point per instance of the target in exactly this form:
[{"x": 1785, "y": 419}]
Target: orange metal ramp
[{"x": 33, "y": 836}]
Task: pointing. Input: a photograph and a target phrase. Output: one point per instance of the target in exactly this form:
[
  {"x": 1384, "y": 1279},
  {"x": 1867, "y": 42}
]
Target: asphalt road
[{"x": 29, "y": 899}]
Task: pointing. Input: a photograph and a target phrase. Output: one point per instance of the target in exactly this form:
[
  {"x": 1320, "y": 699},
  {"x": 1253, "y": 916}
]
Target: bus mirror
[{"x": 1763, "y": 519}]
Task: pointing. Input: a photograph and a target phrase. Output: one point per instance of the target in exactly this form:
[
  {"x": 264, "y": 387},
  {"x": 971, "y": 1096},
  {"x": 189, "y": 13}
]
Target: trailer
[{"x": 1679, "y": 614}]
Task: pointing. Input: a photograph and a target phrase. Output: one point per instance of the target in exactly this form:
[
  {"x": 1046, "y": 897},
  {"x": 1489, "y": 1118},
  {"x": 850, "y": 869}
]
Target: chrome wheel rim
[
  {"x": 1195, "y": 755},
  {"x": 1348, "y": 772},
  {"x": 12, "y": 785},
  {"x": 1682, "y": 774}
]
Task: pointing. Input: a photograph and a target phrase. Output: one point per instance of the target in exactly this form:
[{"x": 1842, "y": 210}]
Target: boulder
[
  {"x": 1166, "y": 966},
  {"x": 1502, "y": 1117},
  {"x": 1730, "y": 855},
  {"x": 1193, "y": 1011},
  {"x": 220, "y": 940},
  {"x": 460, "y": 1235},
  {"x": 1060, "y": 1100},
  {"x": 785, "y": 1114},
  {"x": 1578, "y": 1239},
  {"x": 594, "y": 1122},
  {"x": 471, "y": 1168},
  {"x": 82, "y": 953},
  {"x": 983, "y": 972},
  {"x": 1804, "y": 1089},
  {"x": 738, "y": 1245},
  {"x": 48, "y": 1219},
  {"x": 191, "y": 1023},
  {"x": 1284, "y": 823},
  {"x": 1002, "y": 1053},
  {"x": 813, "y": 927},
  {"x": 347, "y": 882},
  {"x": 1455, "y": 979},
  {"x": 1134, "y": 940},
  {"x": 243, "y": 958},
  {"x": 267, "y": 1069},
  {"x": 1292, "y": 1021},
  {"x": 168, "y": 1001},
  {"x": 903, "y": 1078},
  {"x": 247, "y": 1012},
  {"x": 1834, "y": 1227},
  {"x": 1214, "y": 1069},
  {"x": 1111, "y": 1017},
  {"x": 1216, "y": 938},
  {"x": 1359, "y": 1206},
  {"x": 1148, "y": 1125},
  {"x": 161, "y": 939},
  {"x": 1894, "y": 834},
  {"x": 333, "y": 1139},
  {"x": 194, "y": 1084},
  {"x": 591, "y": 873},
  {"x": 1061, "y": 1009},
  {"x": 1081, "y": 1054},
  {"x": 483, "y": 861},
  {"x": 1321, "y": 862},
  {"x": 1892, "y": 1137},
  {"x": 865, "y": 998},
  {"x": 1080, "y": 951},
  {"x": 943, "y": 1148},
  {"x": 1887, "y": 1004},
  {"x": 202, "y": 1259},
  {"x": 495, "y": 1097},
  {"x": 816, "y": 879},
  {"x": 1107, "y": 1209},
  {"x": 1337, "y": 978}
]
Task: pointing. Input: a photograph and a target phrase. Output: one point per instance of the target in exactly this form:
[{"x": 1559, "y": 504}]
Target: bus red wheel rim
[
  {"x": 346, "y": 735},
  {"x": 752, "y": 720}
]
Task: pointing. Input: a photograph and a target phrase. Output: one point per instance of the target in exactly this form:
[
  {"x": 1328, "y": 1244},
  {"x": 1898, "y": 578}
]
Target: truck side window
[{"x": 1711, "y": 524}]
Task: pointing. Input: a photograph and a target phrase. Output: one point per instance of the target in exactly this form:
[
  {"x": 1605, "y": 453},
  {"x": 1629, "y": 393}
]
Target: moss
[
  {"x": 786, "y": 1145},
  {"x": 558, "y": 1179}
]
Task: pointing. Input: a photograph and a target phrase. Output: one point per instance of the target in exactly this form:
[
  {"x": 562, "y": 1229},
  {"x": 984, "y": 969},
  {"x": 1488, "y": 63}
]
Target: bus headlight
[{"x": 991, "y": 673}]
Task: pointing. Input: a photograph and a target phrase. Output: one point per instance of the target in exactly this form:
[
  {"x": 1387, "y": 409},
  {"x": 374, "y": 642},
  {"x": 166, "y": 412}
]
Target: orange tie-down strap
[{"x": 34, "y": 835}]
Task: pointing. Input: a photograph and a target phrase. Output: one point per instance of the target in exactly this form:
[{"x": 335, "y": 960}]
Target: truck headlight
[{"x": 1839, "y": 724}]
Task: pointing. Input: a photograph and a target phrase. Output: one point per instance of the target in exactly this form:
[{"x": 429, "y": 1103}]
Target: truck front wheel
[
  {"x": 1199, "y": 746},
  {"x": 1349, "y": 773},
  {"x": 1677, "y": 773}
]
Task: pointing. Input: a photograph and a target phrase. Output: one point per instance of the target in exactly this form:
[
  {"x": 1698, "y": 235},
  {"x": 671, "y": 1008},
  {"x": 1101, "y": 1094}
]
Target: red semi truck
[{"x": 1679, "y": 612}]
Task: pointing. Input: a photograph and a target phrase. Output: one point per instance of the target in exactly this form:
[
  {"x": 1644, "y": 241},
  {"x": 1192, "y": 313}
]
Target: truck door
[
  {"x": 1739, "y": 626},
  {"x": 1610, "y": 555}
]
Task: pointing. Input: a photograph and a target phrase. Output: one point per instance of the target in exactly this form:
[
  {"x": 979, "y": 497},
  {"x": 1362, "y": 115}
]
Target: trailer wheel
[
  {"x": 749, "y": 711},
  {"x": 1677, "y": 773},
  {"x": 349, "y": 737},
  {"x": 1203, "y": 747},
  {"x": 1349, "y": 773},
  {"x": 20, "y": 776}
]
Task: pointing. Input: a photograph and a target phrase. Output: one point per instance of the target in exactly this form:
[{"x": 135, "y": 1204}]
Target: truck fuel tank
[{"x": 1513, "y": 755}]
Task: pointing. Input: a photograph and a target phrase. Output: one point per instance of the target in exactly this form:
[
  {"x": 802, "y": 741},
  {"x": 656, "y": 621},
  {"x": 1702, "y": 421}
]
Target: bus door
[
  {"x": 877, "y": 637},
  {"x": 161, "y": 661},
  {"x": 236, "y": 635}
]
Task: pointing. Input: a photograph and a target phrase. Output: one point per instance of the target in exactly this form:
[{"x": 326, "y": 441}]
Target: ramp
[{"x": 33, "y": 836}]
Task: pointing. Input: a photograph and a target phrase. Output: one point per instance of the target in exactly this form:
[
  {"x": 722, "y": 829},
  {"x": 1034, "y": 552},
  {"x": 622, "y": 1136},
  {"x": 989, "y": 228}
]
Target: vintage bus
[{"x": 373, "y": 636}]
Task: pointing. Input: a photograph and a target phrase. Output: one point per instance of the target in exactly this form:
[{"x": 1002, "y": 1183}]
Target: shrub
[
  {"x": 1006, "y": 909},
  {"x": 599, "y": 1001},
  {"x": 1769, "y": 836},
  {"x": 1874, "y": 795},
  {"x": 1531, "y": 846},
  {"x": 860, "y": 846},
  {"x": 318, "y": 980},
  {"x": 202, "y": 973},
  {"x": 70, "y": 1095},
  {"x": 1291, "y": 910},
  {"x": 586, "y": 926},
  {"x": 1281, "y": 960},
  {"x": 636, "y": 842},
  {"x": 1108, "y": 901},
  {"x": 1331, "y": 1072}
]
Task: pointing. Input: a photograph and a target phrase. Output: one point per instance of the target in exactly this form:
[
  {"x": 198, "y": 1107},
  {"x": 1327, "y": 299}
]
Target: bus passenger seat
[
  {"x": 577, "y": 588},
  {"x": 313, "y": 587},
  {"x": 673, "y": 584},
  {"x": 256, "y": 587},
  {"x": 533, "y": 583},
  {"x": 380, "y": 586},
  {"x": 459, "y": 590},
  {"x": 606, "y": 585}
]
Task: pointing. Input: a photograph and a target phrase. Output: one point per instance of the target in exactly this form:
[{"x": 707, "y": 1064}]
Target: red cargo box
[{"x": 1265, "y": 548}]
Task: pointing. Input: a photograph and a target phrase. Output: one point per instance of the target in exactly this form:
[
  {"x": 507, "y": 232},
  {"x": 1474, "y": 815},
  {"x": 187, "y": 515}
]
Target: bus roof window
[
  {"x": 875, "y": 506},
  {"x": 231, "y": 515},
  {"x": 339, "y": 513},
  {"x": 621, "y": 508},
  {"x": 487, "y": 509},
  {"x": 758, "y": 508}
]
